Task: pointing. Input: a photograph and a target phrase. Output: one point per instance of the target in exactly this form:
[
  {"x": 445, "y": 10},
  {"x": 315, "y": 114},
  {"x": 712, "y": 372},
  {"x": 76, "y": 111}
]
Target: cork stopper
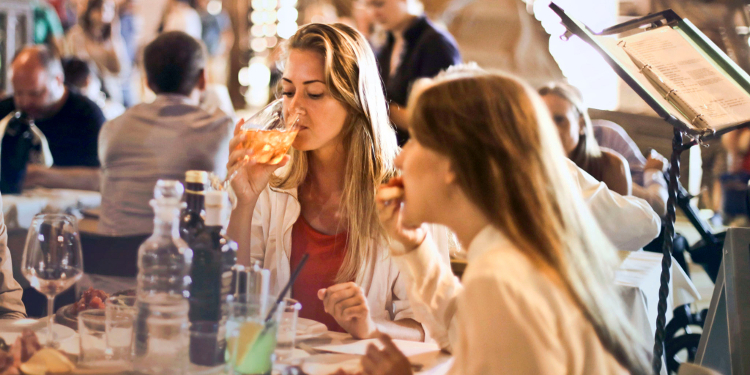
[{"x": 196, "y": 177}]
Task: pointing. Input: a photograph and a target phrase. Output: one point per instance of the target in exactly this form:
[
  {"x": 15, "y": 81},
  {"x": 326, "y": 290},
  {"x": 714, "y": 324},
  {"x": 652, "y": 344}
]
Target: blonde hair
[
  {"x": 351, "y": 75},
  {"x": 587, "y": 153},
  {"x": 503, "y": 147}
]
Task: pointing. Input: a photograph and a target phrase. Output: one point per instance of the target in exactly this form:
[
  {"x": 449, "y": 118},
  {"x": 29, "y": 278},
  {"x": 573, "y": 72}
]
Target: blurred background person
[
  {"x": 11, "y": 306},
  {"x": 48, "y": 29},
  {"x": 415, "y": 48},
  {"x": 97, "y": 38},
  {"x": 218, "y": 36},
  {"x": 69, "y": 121},
  {"x": 647, "y": 173},
  {"x": 81, "y": 76},
  {"x": 577, "y": 136},
  {"x": 160, "y": 140},
  {"x": 181, "y": 15}
]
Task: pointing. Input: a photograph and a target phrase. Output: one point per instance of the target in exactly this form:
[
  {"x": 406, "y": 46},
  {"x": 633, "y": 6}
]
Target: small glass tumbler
[
  {"x": 287, "y": 328},
  {"x": 105, "y": 339},
  {"x": 251, "y": 340}
]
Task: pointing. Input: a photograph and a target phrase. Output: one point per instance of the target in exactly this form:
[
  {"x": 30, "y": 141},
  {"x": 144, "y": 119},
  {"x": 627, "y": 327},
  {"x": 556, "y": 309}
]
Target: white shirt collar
[{"x": 487, "y": 239}]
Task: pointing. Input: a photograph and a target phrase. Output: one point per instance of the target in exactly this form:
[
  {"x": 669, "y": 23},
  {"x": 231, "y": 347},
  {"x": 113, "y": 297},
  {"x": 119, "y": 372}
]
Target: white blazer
[{"x": 384, "y": 285}]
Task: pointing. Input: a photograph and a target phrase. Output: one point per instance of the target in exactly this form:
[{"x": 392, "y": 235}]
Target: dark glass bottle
[
  {"x": 214, "y": 255},
  {"x": 191, "y": 219}
]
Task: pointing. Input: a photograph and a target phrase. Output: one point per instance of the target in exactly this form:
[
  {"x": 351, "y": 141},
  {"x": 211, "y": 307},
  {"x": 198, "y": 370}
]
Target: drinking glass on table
[
  {"x": 52, "y": 259},
  {"x": 268, "y": 134},
  {"x": 105, "y": 338},
  {"x": 287, "y": 328},
  {"x": 250, "y": 340}
]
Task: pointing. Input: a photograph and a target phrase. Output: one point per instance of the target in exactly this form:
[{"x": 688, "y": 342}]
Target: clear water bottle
[{"x": 160, "y": 344}]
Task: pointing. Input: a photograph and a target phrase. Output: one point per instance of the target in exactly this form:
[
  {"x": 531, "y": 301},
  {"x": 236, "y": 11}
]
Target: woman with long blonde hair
[
  {"x": 323, "y": 202},
  {"x": 570, "y": 114},
  {"x": 538, "y": 294}
]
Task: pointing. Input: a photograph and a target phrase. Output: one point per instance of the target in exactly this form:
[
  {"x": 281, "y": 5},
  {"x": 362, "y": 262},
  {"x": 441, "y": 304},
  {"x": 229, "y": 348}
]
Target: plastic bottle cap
[
  {"x": 215, "y": 198},
  {"x": 197, "y": 177}
]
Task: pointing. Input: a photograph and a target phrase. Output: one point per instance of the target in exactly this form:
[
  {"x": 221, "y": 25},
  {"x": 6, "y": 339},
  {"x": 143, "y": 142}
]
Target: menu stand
[{"x": 668, "y": 113}]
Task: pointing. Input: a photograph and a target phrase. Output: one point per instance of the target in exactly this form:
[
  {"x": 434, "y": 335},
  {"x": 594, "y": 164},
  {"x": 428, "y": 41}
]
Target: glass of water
[
  {"x": 287, "y": 328},
  {"x": 105, "y": 338}
]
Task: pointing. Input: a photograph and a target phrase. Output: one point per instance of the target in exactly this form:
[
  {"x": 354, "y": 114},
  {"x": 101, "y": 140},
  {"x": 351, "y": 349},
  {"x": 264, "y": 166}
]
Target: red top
[{"x": 326, "y": 256}]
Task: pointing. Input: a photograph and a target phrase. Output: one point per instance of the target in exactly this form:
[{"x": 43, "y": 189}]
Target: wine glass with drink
[
  {"x": 52, "y": 260},
  {"x": 268, "y": 134}
]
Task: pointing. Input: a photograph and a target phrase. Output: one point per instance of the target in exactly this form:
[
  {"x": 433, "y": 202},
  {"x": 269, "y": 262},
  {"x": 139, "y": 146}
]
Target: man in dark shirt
[
  {"x": 69, "y": 121},
  {"x": 415, "y": 49}
]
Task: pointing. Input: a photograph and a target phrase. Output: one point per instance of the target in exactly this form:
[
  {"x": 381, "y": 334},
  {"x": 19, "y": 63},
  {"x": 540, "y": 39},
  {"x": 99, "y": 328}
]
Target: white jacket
[
  {"x": 505, "y": 316},
  {"x": 385, "y": 288},
  {"x": 629, "y": 222}
]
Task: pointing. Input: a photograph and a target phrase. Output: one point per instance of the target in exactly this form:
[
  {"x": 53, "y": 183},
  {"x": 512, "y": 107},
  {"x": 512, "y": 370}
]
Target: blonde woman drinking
[
  {"x": 323, "y": 202},
  {"x": 538, "y": 295}
]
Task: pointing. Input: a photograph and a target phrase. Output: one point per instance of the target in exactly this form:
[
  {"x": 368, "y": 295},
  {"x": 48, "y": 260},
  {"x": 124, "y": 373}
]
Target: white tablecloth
[
  {"x": 639, "y": 279},
  {"x": 19, "y": 210}
]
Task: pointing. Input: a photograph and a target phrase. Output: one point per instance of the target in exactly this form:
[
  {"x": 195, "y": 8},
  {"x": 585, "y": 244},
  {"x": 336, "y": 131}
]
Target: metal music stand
[{"x": 667, "y": 113}]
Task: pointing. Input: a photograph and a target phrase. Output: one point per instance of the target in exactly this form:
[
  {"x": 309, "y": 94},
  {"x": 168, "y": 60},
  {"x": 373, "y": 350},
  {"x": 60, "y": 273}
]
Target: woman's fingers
[
  {"x": 340, "y": 307},
  {"x": 359, "y": 311},
  {"x": 238, "y": 126},
  {"x": 236, "y": 141}
]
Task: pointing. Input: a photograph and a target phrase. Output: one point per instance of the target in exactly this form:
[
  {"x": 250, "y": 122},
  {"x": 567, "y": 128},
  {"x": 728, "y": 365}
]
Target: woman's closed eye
[
  {"x": 287, "y": 94},
  {"x": 315, "y": 96}
]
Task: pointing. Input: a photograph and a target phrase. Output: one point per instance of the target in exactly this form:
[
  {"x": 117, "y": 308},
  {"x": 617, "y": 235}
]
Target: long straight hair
[
  {"x": 351, "y": 75},
  {"x": 587, "y": 154},
  {"x": 503, "y": 147}
]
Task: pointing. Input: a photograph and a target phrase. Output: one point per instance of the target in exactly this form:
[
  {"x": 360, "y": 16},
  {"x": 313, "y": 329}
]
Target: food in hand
[
  {"x": 391, "y": 191},
  {"x": 90, "y": 299}
]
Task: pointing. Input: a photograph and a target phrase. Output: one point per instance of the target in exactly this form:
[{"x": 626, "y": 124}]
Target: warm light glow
[
  {"x": 579, "y": 62},
  {"x": 288, "y": 3},
  {"x": 286, "y": 29},
  {"x": 257, "y": 96},
  {"x": 271, "y": 41},
  {"x": 270, "y": 16},
  {"x": 269, "y": 30},
  {"x": 260, "y": 75},
  {"x": 258, "y": 44},
  {"x": 244, "y": 76},
  {"x": 214, "y": 7},
  {"x": 258, "y": 30},
  {"x": 258, "y": 17},
  {"x": 287, "y": 14},
  {"x": 257, "y": 4}
]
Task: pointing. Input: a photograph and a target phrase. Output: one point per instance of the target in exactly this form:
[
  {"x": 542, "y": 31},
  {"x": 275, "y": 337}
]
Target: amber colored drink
[{"x": 269, "y": 146}]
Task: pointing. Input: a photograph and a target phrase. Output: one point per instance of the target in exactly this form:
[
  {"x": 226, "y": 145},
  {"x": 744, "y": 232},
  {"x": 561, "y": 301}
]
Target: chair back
[
  {"x": 111, "y": 255},
  {"x": 692, "y": 369}
]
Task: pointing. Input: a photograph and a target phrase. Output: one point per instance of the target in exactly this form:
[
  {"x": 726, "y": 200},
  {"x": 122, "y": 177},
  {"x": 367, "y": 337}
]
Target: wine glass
[
  {"x": 269, "y": 134},
  {"x": 52, "y": 259}
]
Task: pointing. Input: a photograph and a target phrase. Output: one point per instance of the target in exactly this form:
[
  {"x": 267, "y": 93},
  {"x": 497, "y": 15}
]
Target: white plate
[
  {"x": 307, "y": 328},
  {"x": 11, "y": 329}
]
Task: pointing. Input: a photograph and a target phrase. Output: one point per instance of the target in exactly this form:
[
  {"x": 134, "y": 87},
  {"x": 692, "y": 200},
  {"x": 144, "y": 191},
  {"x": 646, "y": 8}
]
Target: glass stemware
[
  {"x": 52, "y": 259},
  {"x": 268, "y": 134}
]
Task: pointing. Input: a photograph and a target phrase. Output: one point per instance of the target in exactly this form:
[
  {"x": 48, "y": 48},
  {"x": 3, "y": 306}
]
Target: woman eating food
[{"x": 538, "y": 295}]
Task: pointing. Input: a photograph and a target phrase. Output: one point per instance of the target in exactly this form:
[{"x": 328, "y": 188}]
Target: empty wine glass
[
  {"x": 52, "y": 259},
  {"x": 269, "y": 134}
]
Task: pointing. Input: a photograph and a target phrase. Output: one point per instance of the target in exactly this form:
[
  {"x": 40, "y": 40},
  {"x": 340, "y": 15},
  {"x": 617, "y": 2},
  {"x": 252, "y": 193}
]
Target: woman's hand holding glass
[
  {"x": 347, "y": 304},
  {"x": 248, "y": 178},
  {"x": 389, "y": 212}
]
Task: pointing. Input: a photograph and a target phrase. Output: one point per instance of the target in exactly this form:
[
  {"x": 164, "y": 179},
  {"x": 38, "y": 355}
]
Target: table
[
  {"x": 312, "y": 361},
  {"x": 19, "y": 210}
]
